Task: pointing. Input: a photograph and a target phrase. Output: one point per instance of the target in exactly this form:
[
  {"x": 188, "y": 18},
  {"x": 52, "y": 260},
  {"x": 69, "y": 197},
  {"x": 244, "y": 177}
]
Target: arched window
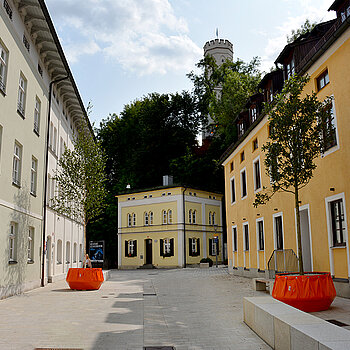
[
  {"x": 214, "y": 219},
  {"x": 146, "y": 221},
  {"x": 190, "y": 216},
  {"x": 150, "y": 215},
  {"x": 164, "y": 217},
  {"x": 59, "y": 251},
  {"x": 170, "y": 216},
  {"x": 210, "y": 220},
  {"x": 80, "y": 252},
  {"x": 194, "y": 217},
  {"x": 133, "y": 219},
  {"x": 75, "y": 253},
  {"x": 129, "y": 220},
  {"x": 67, "y": 252}
]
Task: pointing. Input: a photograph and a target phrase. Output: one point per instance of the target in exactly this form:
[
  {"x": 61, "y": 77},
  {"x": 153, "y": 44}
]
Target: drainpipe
[
  {"x": 184, "y": 223},
  {"x": 46, "y": 165}
]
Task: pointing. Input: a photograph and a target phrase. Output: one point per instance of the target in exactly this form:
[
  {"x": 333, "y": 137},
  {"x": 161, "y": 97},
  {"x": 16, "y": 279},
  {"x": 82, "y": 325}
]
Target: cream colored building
[
  {"x": 157, "y": 226},
  {"x": 30, "y": 59}
]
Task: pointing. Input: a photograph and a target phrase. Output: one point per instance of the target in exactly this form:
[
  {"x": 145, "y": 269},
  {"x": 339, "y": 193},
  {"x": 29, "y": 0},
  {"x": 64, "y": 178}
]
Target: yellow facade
[
  {"x": 152, "y": 229},
  {"x": 329, "y": 184}
]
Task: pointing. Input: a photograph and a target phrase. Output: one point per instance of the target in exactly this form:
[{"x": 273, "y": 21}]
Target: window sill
[
  {"x": 3, "y": 91},
  {"x": 12, "y": 262},
  {"x": 33, "y": 194},
  {"x": 21, "y": 114},
  {"x": 16, "y": 185},
  {"x": 58, "y": 263},
  {"x": 338, "y": 246},
  {"x": 30, "y": 261},
  {"x": 242, "y": 198},
  {"x": 341, "y": 280},
  {"x": 36, "y": 132}
]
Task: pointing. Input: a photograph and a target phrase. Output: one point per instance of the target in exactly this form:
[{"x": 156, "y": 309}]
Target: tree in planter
[
  {"x": 300, "y": 130},
  {"x": 81, "y": 181}
]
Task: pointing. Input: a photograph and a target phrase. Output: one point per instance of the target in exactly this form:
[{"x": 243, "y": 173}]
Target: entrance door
[
  {"x": 48, "y": 258},
  {"x": 148, "y": 250},
  {"x": 305, "y": 239}
]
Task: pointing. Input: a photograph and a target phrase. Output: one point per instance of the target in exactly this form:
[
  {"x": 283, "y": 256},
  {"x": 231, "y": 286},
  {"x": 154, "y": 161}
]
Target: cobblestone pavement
[{"x": 186, "y": 308}]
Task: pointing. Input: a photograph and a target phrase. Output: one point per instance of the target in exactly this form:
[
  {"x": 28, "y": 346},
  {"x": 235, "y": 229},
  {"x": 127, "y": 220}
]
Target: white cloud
[
  {"x": 144, "y": 36},
  {"x": 309, "y": 11}
]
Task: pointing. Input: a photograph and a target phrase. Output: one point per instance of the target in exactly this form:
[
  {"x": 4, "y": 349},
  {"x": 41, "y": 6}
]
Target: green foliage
[
  {"x": 304, "y": 29},
  {"x": 207, "y": 260},
  {"x": 81, "y": 180},
  {"x": 237, "y": 81}
]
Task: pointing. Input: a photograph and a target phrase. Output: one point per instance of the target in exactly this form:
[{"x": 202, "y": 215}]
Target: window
[
  {"x": 330, "y": 129},
  {"x": 243, "y": 184},
  {"x": 75, "y": 253},
  {"x": 8, "y": 9},
  {"x": 80, "y": 252},
  {"x": 0, "y": 141},
  {"x": 260, "y": 231},
  {"x": 255, "y": 144},
  {"x": 59, "y": 252},
  {"x": 233, "y": 191},
  {"x": 164, "y": 217},
  {"x": 53, "y": 137},
  {"x": 234, "y": 238},
  {"x": 253, "y": 113},
  {"x": 17, "y": 164},
  {"x": 170, "y": 216},
  {"x": 3, "y": 67},
  {"x": 257, "y": 179},
  {"x": 213, "y": 246},
  {"x": 167, "y": 247},
  {"x": 13, "y": 242},
  {"x": 240, "y": 128},
  {"x": 231, "y": 166},
  {"x": 194, "y": 217},
  {"x": 290, "y": 69},
  {"x": 242, "y": 156},
  {"x": 30, "y": 256},
  {"x": 33, "y": 176},
  {"x": 190, "y": 216},
  {"x": 37, "y": 115},
  {"x": 131, "y": 248},
  {"x": 338, "y": 222},
  {"x": 22, "y": 89},
  {"x": 278, "y": 227},
  {"x": 129, "y": 220},
  {"x": 133, "y": 219},
  {"x": 67, "y": 252},
  {"x": 322, "y": 80},
  {"x": 246, "y": 236},
  {"x": 210, "y": 218},
  {"x": 150, "y": 217},
  {"x": 214, "y": 218},
  {"x": 194, "y": 246},
  {"x": 146, "y": 221}
]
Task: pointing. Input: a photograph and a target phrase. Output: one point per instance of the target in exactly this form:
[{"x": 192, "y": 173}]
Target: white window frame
[
  {"x": 146, "y": 219},
  {"x": 255, "y": 161},
  {"x": 190, "y": 216},
  {"x": 131, "y": 247},
  {"x": 13, "y": 242},
  {"x": 3, "y": 66},
  {"x": 170, "y": 216},
  {"x": 257, "y": 233},
  {"x": 75, "y": 252},
  {"x": 193, "y": 245},
  {"x": 164, "y": 217},
  {"x": 22, "y": 92},
  {"x": 150, "y": 217},
  {"x": 233, "y": 190},
  {"x": 213, "y": 217},
  {"x": 37, "y": 111},
  {"x": 210, "y": 218},
  {"x": 334, "y": 122},
  {"x": 68, "y": 257},
  {"x": 133, "y": 219},
  {"x": 213, "y": 247},
  {"x": 129, "y": 218},
  {"x": 234, "y": 246},
  {"x": 30, "y": 248},
  {"x": 17, "y": 164},
  {"x": 244, "y": 238},
  {"x": 194, "y": 217},
  {"x": 246, "y": 185},
  {"x": 59, "y": 251},
  {"x": 166, "y": 246},
  {"x": 33, "y": 176},
  {"x": 280, "y": 214}
]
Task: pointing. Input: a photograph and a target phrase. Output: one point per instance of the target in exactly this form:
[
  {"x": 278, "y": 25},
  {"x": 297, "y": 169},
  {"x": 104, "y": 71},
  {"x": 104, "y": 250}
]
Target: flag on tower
[{"x": 217, "y": 33}]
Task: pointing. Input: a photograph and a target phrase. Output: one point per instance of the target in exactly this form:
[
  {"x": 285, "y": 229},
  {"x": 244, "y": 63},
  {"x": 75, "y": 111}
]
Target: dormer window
[
  {"x": 290, "y": 69},
  {"x": 241, "y": 128},
  {"x": 253, "y": 113}
]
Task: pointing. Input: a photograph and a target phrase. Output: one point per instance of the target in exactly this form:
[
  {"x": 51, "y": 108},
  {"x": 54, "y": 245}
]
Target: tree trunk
[{"x": 300, "y": 251}]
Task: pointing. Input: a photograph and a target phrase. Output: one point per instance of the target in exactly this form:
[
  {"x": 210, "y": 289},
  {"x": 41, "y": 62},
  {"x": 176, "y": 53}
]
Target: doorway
[
  {"x": 148, "y": 250},
  {"x": 305, "y": 239}
]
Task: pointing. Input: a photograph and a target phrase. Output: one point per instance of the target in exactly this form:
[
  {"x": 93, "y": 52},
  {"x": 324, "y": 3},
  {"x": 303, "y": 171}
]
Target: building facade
[
  {"x": 169, "y": 226},
  {"x": 34, "y": 75},
  {"x": 264, "y": 238}
]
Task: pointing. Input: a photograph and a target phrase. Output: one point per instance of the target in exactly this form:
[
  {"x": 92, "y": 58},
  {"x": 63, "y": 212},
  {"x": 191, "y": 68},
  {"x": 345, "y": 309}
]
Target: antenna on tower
[{"x": 217, "y": 33}]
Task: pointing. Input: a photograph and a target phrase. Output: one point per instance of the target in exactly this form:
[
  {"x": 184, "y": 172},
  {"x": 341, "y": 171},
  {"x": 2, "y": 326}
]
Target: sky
[{"x": 122, "y": 50}]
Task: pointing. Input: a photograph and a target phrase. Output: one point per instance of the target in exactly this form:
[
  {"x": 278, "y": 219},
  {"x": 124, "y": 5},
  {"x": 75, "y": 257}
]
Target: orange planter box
[
  {"x": 311, "y": 292},
  {"x": 85, "y": 279}
]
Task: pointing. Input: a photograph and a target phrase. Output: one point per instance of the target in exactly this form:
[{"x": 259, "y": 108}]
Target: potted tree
[
  {"x": 300, "y": 127},
  {"x": 81, "y": 191}
]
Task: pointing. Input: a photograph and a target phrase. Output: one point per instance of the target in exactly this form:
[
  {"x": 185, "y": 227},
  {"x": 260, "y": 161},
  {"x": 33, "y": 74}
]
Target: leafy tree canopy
[{"x": 304, "y": 29}]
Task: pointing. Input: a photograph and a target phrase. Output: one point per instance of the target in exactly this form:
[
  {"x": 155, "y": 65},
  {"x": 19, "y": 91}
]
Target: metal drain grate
[
  {"x": 338, "y": 323},
  {"x": 159, "y": 348},
  {"x": 148, "y": 294}
]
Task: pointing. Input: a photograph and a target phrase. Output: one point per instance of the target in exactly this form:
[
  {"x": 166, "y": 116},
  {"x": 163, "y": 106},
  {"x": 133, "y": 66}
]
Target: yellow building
[
  {"x": 261, "y": 239},
  {"x": 152, "y": 229}
]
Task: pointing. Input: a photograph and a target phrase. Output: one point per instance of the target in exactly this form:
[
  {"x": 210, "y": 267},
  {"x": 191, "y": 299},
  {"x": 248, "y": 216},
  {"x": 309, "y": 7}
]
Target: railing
[
  {"x": 323, "y": 40},
  {"x": 8, "y": 9},
  {"x": 26, "y": 43},
  {"x": 284, "y": 260}
]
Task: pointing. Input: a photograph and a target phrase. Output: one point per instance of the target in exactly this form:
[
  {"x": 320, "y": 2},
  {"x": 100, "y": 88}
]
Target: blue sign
[{"x": 96, "y": 251}]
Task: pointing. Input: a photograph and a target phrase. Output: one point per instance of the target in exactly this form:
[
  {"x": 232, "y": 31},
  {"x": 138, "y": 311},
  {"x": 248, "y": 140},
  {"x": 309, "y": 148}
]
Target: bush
[{"x": 207, "y": 260}]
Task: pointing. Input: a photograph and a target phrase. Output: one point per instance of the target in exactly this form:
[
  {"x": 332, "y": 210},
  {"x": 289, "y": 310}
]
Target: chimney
[{"x": 168, "y": 180}]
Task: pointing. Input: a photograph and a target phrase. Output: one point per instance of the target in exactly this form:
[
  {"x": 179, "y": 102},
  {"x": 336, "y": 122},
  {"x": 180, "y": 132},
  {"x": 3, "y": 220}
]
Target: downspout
[
  {"x": 184, "y": 222},
  {"x": 46, "y": 165}
]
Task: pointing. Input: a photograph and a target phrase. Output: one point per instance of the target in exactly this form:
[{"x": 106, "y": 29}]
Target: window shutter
[
  {"x": 210, "y": 246},
  {"x": 198, "y": 247},
  {"x": 172, "y": 247},
  {"x": 126, "y": 248},
  {"x": 135, "y": 248},
  {"x": 161, "y": 244},
  {"x": 190, "y": 246}
]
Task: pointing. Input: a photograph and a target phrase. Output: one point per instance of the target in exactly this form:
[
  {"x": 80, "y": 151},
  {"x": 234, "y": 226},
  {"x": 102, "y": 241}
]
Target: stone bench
[
  {"x": 263, "y": 284},
  {"x": 286, "y": 328}
]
